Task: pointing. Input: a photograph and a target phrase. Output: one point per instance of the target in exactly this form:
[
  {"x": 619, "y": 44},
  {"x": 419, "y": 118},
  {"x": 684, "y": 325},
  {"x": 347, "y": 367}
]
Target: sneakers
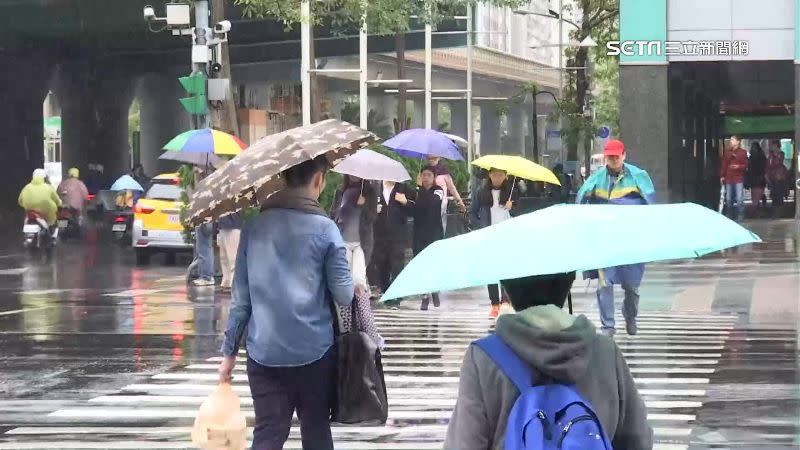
[
  {"x": 610, "y": 332},
  {"x": 631, "y": 327},
  {"x": 494, "y": 311},
  {"x": 203, "y": 282}
]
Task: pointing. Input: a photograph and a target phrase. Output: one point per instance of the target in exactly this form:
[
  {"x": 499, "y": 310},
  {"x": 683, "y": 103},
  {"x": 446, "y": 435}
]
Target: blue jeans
[
  {"x": 605, "y": 302},
  {"x": 734, "y": 198},
  {"x": 204, "y": 247}
]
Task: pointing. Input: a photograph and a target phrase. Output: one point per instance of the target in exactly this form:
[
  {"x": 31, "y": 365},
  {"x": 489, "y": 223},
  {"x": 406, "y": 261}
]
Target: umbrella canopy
[
  {"x": 461, "y": 142},
  {"x": 421, "y": 142},
  {"x": 126, "y": 183},
  {"x": 563, "y": 238},
  {"x": 254, "y": 176},
  {"x": 517, "y": 166},
  {"x": 206, "y": 141},
  {"x": 370, "y": 165},
  {"x": 195, "y": 159}
]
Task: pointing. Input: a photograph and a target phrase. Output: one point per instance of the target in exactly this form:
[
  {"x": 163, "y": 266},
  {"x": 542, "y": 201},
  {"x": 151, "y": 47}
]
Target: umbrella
[
  {"x": 563, "y": 238},
  {"x": 517, "y": 166},
  {"x": 126, "y": 183},
  {"x": 421, "y": 142},
  {"x": 206, "y": 141},
  {"x": 370, "y": 165},
  {"x": 252, "y": 177},
  {"x": 461, "y": 142},
  {"x": 195, "y": 159}
]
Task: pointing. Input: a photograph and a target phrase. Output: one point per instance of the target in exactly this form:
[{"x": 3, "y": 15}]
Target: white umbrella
[
  {"x": 369, "y": 165},
  {"x": 461, "y": 142}
]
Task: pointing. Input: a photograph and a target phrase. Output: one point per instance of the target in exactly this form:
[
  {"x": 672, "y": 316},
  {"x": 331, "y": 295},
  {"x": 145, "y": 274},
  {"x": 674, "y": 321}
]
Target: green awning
[{"x": 746, "y": 125}]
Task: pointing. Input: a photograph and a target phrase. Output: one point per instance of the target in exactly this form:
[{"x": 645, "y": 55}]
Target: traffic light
[{"x": 197, "y": 102}]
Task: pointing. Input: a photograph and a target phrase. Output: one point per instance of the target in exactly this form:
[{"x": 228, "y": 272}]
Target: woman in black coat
[{"x": 426, "y": 209}]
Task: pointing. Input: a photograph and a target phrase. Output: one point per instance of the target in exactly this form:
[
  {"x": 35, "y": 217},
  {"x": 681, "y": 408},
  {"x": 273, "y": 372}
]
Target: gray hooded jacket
[{"x": 559, "y": 347}]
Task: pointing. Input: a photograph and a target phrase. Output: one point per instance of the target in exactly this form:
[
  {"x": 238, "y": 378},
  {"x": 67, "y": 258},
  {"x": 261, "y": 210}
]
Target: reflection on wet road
[{"x": 100, "y": 354}]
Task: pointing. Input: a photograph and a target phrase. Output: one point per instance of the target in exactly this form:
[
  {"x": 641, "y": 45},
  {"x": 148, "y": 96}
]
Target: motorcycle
[
  {"x": 69, "y": 222},
  {"x": 37, "y": 234},
  {"x": 121, "y": 227}
]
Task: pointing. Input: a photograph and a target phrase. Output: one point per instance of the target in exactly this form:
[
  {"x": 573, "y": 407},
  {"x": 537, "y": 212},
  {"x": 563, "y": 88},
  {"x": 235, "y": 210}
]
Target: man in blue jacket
[
  {"x": 618, "y": 183},
  {"x": 291, "y": 264}
]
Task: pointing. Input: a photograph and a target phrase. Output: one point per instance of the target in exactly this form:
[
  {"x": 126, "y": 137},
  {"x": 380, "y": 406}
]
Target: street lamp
[{"x": 535, "y": 120}]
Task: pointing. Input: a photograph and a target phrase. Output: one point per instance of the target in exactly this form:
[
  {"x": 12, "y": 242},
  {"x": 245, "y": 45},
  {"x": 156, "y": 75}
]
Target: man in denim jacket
[{"x": 291, "y": 261}]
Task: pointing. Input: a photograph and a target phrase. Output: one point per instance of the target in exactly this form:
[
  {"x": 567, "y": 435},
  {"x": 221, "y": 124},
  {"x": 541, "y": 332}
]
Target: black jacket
[
  {"x": 427, "y": 211},
  {"x": 390, "y": 225}
]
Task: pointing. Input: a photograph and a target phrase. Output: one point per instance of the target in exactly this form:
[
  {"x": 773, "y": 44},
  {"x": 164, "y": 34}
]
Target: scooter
[
  {"x": 121, "y": 227},
  {"x": 69, "y": 222},
  {"x": 37, "y": 234}
]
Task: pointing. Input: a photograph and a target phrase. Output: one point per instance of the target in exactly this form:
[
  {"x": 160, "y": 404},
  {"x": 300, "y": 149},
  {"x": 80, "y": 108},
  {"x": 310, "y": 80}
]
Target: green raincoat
[{"x": 40, "y": 197}]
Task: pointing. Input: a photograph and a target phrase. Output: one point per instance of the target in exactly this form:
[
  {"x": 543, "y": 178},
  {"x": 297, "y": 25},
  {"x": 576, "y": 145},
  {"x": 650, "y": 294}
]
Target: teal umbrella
[{"x": 568, "y": 238}]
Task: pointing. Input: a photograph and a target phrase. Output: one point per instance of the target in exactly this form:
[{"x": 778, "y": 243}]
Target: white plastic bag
[{"x": 220, "y": 424}]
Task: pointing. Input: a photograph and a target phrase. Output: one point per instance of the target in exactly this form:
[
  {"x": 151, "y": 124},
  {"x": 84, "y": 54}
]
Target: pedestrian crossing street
[{"x": 672, "y": 360}]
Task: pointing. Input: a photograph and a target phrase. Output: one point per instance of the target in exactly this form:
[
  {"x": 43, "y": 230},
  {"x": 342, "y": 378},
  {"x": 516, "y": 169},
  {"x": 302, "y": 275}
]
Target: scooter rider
[
  {"x": 74, "y": 193},
  {"x": 40, "y": 197}
]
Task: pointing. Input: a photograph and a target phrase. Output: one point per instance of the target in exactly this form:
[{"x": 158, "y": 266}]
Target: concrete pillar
[
  {"x": 490, "y": 130},
  {"x": 95, "y": 101},
  {"x": 645, "y": 125},
  {"x": 516, "y": 131},
  {"x": 795, "y": 177},
  {"x": 418, "y": 119},
  {"x": 23, "y": 90},
  {"x": 458, "y": 117},
  {"x": 162, "y": 118}
]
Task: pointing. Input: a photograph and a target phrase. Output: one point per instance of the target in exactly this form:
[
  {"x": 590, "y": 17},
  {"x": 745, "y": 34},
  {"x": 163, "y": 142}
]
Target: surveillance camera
[
  {"x": 149, "y": 13},
  {"x": 222, "y": 27}
]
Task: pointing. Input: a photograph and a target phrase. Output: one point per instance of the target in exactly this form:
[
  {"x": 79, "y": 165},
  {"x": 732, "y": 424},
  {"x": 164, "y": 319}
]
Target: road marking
[{"x": 24, "y": 310}]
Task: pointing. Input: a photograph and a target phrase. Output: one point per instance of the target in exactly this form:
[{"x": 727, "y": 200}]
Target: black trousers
[
  {"x": 388, "y": 260},
  {"x": 279, "y": 391},
  {"x": 494, "y": 294}
]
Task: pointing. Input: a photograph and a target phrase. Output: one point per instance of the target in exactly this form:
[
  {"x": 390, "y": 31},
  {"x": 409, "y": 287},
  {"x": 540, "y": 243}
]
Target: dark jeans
[
  {"x": 388, "y": 260},
  {"x": 494, "y": 294},
  {"x": 279, "y": 391}
]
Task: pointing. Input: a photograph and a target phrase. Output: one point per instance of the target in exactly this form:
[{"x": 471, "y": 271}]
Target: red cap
[{"x": 614, "y": 147}]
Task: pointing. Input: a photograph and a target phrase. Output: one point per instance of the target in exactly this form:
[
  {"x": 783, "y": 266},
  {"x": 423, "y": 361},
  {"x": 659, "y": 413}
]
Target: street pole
[
  {"x": 535, "y": 124},
  {"x": 362, "y": 79},
  {"x": 305, "y": 59},
  {"x": 201, "y": 32},
  {"x": 428, "y": 81},
  {"x": 470, "y": 124},
  {"x": 560, "y": 71}
]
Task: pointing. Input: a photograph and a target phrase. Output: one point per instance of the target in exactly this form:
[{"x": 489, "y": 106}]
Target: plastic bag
[{"x": 220, "y": 424}]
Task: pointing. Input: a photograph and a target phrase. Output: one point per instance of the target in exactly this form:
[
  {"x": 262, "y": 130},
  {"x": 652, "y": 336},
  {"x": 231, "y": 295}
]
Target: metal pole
[
  {"x": 470, "y": 131},
  {"x": 535, "y": 124},
  {"x": 428, "y": 82},
  {"x": 561, "y": 72},
  {"x": 201, "y": 23},
  {"x": 362, "y": 60},
  {"x": 305, "y": 59}
]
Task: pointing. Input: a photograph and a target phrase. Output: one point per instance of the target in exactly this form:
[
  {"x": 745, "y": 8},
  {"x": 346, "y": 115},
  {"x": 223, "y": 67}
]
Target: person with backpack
[{"x": 546, "y": 379}]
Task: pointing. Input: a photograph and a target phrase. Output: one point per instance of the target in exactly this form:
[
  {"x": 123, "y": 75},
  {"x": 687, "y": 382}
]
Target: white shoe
[{"x": 203, "y": 282}]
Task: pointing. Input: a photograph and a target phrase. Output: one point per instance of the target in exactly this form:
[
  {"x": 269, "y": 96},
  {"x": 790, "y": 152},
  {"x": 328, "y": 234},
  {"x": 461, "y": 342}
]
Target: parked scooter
[{"x": 37, "y": 234}]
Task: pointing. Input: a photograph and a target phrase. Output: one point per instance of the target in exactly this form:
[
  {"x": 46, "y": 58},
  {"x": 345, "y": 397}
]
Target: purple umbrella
[{"x": 421, "y": 142}]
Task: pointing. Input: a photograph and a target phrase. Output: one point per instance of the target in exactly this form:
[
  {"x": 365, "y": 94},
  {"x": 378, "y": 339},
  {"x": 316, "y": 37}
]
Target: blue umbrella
[
  {"x": 126, "y": 183},
  {"x": 568, "y": 238},
  {"x": 421, "y": 142}
]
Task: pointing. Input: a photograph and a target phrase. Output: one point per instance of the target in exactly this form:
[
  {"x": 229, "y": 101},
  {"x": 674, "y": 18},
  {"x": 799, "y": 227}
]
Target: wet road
[{"x": 97, "y": 353}]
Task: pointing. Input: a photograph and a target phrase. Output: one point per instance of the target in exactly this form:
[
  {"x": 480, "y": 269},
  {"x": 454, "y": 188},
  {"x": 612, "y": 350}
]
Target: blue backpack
[{"x": 545, "y": 417}]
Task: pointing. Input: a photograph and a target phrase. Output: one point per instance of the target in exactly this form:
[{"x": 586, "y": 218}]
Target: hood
[
  {"x": 553, "y": 342},
  {"x": 293, "y": 199},
  {"x": 37, "y": 180}
]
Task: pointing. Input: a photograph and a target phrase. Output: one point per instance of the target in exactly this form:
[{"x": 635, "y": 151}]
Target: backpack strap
[{"x": 517, "y": 370}]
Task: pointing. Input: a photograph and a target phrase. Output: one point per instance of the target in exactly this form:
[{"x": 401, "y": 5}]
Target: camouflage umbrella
[{"x": 253, "y": 176}]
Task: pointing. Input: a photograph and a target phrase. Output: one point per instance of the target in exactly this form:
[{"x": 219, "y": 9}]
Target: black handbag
[{"x": 360, "y": 385}]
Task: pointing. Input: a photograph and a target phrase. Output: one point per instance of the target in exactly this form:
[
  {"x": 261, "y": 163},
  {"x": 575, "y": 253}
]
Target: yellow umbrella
[{"x": 517, "y": 166}]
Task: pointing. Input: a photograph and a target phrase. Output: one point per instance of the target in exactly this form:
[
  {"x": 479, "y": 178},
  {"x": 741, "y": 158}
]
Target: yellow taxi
[{"x": 157, "y": 223}]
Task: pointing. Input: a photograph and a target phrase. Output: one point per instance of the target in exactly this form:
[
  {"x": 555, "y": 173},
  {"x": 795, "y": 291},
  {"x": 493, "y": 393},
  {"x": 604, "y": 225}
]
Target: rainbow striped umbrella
[{"x": 206, "y": 141}]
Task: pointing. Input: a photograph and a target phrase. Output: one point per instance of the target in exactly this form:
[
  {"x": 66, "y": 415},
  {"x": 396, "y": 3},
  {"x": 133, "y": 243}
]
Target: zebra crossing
[{"x": 672, "y": 360}]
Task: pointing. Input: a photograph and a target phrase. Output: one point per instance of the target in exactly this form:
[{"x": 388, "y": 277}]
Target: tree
[{"x": 599, "y": 20}]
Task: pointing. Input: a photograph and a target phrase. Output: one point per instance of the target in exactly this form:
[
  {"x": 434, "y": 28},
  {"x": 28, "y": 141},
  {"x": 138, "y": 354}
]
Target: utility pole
[
  {"x": 305, "y": 59},
  {"x": 202, "y": 32}
]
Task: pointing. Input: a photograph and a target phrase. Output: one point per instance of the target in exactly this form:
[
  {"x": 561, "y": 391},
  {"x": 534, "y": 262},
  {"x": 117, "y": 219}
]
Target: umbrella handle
[
  {"x": 361, "y": 194},
  {"x": 569, "y": 302},
  {"x": 513, "y": 184}
]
